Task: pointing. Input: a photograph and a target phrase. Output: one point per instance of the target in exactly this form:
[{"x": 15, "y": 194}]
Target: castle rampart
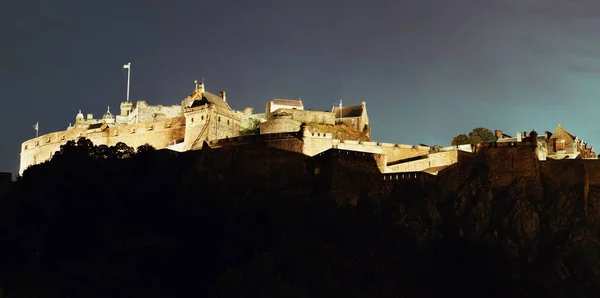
[
  {"x": 160, "y": 134},
  {"x": 429, "y": 161},
  {"x": 291, "y": 120}
]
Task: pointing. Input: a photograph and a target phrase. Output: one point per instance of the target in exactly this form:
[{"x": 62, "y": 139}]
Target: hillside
[{"x": 161, "y": 224}]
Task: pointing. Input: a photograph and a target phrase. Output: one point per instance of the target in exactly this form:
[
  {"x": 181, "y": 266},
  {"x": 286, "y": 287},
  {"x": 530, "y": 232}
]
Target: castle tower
[
  {"x": 126, "y": 108},
  {"x": 108, "y": 117},
  {"x": 79, "y": 117}
]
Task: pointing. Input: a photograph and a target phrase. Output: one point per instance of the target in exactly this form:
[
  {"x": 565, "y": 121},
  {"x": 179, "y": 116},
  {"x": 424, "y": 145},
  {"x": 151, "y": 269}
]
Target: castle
[{"x": 206, "y": 119}]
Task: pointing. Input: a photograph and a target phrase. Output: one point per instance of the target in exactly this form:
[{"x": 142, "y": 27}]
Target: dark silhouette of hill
[{"x": 101, "y": 221}]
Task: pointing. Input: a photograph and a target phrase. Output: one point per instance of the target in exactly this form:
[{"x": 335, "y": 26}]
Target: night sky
[{"x": 428, "y": 69}]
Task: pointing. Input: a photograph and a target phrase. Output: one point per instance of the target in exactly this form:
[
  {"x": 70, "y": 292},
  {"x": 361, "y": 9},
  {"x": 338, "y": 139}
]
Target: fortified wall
[
  {"x": 310, "y": 143},
  {"x": 291, "y": 120},
  {"x": 160, "y": 134},
  {"x": 201, "y": 116}
]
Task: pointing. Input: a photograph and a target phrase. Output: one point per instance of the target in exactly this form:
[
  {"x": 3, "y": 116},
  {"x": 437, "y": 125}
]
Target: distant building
[
  {"x": 353, "y": 116},
  {"x": 276, "y": 104},
  {"x": 564, "y": 145},
  {"x": 558, "y": 145}
]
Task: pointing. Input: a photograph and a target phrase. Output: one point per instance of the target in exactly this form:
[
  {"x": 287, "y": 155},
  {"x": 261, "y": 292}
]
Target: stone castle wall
[
  {"x": 159, "y": 134},
  {"x": 393, "y": 152},
  {"x": 212, "y": 123},
  {"x": 432, "y": 160},
  {"x": 290, "y": 120},
  {"x": 280, "y": 125},
  {"x": 506, "y": 163},
  {"x": 273, "y": 159},
  {"x": 305, "y": 116},
  {"x": 150, "y": 113}
]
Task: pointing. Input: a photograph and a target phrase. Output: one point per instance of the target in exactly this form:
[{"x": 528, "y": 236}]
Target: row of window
[{"x": 47, "y": 140}]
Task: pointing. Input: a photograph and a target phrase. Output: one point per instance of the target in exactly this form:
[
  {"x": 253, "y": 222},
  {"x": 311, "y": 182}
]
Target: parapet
[{"x": 408, "y": 176}]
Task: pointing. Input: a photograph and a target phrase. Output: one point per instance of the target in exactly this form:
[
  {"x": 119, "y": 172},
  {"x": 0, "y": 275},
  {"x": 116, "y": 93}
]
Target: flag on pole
[
  {"x": 128, "y": 65},
  {"x": 36, "y": 126}
]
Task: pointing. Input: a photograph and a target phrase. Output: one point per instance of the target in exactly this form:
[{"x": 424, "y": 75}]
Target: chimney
[
  {"x": 223, "y": 96},
  {"x": 498, "y": 134},
  {"x": 201, "y": 88},
  {"x": 90, "y": 117},
  {"x": 519, "y": 137},
  {"x": 364, "y": 105},
  {"x": 526, "y": 134}
]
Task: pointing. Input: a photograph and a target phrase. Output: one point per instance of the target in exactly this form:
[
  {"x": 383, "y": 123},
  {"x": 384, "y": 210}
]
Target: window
[
  {"x": 560, "y": 145},
  {"x": 62, "y": 137},
  {"x": 192, "y": 119},
  {"x": 116, "y": 132},
  {"x": 25, "y": 147},
  {"x": 219, "y": 118},
  {"x": 151, "y": 127},
  {"x": 168, "y": 125},
  {"x": 227, "y": 121},
  {"x": 133, "y": 130},
  {"x": 202, "y": 118}
]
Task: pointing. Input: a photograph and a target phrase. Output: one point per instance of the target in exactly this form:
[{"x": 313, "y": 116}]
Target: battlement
[
  {"x": 347, "y": 153},
  {"x": 159, "y": 133},
  {"x": 379, "y": 144},
  {"x": 407, "y": 176}
]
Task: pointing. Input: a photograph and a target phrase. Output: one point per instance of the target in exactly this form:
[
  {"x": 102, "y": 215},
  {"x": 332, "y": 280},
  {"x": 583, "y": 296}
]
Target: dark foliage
[
  {"x": 252, "y": 129},
  {"x": 106, "y": 222},
  {"x": 477, "y": 136}
]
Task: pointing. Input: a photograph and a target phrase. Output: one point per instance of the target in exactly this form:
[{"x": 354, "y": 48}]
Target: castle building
[
  {"x": 202, "y": 116},
  {"x": 564, "y": 145},
  {"x": 558, "y": 145},
  {"x": 276, "y": 104},
  {"x": 354, "y": 116}
]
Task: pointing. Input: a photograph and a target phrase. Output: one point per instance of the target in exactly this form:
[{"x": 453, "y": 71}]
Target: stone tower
[{"x": 126, "y": 108}]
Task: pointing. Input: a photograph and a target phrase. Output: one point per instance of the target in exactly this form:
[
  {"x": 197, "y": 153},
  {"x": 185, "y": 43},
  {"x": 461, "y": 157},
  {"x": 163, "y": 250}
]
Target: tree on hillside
[
  {"x": 460, "y": 139},
  {"x": 252, "y": 129},
  {"x": 486, "y": 135},
  {"x": 477, "y": 136},
  {"x": 145, "y": 148}
]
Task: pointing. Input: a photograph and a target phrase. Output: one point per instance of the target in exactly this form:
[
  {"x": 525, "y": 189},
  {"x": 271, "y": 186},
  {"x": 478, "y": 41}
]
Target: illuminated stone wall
[{"x": 159, "y": 134}]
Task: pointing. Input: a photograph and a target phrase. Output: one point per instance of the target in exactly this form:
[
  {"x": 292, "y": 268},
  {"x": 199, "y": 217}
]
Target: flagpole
[
  {"x": 128, "y": 78},
  {"x": 341, "y": 111}
]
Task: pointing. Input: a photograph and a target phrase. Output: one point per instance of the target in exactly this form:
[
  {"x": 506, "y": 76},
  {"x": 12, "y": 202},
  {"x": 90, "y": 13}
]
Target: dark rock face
[{"x": 497, "y": 224}]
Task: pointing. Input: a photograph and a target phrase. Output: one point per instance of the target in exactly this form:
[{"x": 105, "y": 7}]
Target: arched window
[{"x": 560, "y": 145}]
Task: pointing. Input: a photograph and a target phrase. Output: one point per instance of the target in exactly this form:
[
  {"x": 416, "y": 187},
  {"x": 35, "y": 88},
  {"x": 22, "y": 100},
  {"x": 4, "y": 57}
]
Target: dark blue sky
[{"x": 428, "y": 69}]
